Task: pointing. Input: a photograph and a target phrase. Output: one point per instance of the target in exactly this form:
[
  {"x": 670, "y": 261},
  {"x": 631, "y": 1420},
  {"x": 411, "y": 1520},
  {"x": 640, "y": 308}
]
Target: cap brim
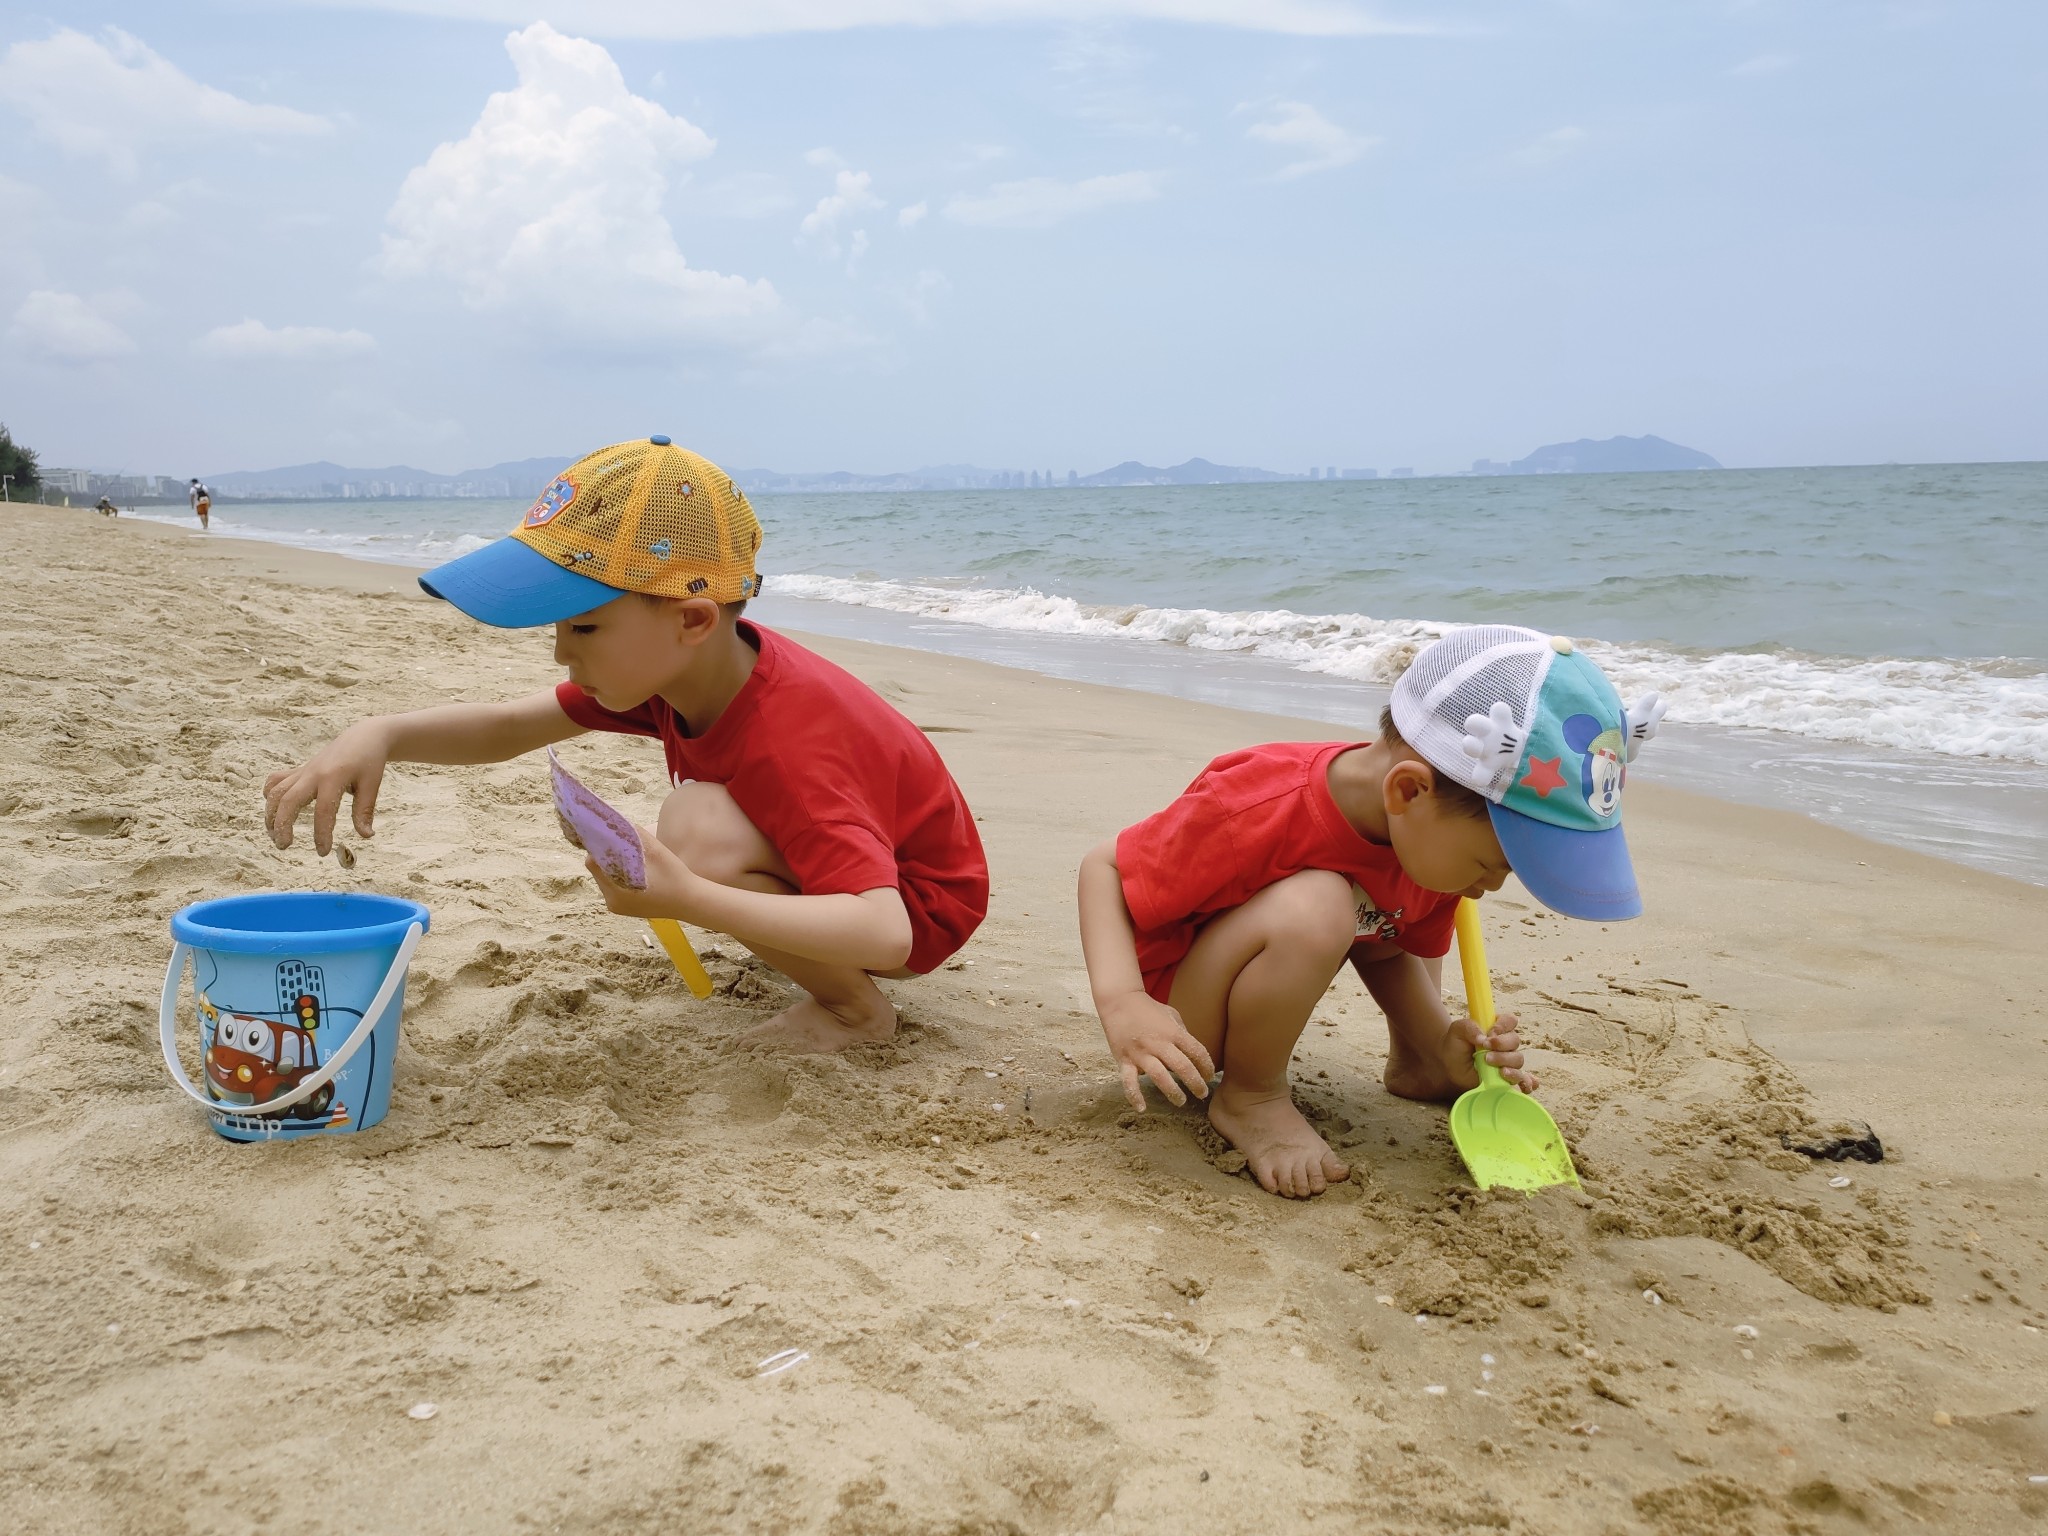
[
  {"x": 1581, "y": 874},
  {"x": 514, "y": 587}
]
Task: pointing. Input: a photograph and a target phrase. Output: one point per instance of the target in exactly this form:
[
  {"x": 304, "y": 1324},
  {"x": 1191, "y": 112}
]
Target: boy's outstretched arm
[
  {"x": 1145, "y": 1035},
  {"x": 353, "y": 763},
  {"x": 870, "y": 931}
]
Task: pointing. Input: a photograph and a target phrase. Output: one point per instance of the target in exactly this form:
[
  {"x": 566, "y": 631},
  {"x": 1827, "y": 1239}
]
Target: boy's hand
[
  {"x": 1147, "y": 1038},
  {"x": 351, "y": 764},
  {"x": 1503, "y": 1046},
  {"x": 670, "y": 882}
]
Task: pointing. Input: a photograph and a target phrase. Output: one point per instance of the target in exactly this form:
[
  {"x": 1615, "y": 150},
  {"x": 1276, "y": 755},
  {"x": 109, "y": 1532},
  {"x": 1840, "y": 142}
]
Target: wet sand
[{"x": 592, "y": 1214}]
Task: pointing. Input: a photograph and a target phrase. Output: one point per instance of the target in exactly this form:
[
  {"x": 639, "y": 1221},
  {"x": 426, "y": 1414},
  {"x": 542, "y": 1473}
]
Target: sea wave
[
  {"x": 389, "y": 546},
  {"x": 1982, "y": 707}
]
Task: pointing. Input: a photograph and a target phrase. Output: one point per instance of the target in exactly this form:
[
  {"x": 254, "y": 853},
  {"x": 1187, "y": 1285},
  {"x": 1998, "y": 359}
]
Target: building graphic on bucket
[{"x": 253, "y": 1057}]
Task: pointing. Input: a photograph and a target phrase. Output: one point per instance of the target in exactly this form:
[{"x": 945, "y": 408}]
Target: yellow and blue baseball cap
[
  {"x": 640, "y": 516},
  {"x": 1527, "y": 720}
]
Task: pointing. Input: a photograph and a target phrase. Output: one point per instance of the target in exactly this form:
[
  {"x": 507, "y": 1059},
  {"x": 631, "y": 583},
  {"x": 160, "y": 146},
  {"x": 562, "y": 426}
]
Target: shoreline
[
  {"x": 1985, "y": 814},
  {"x": 594, "y": 1215},
  {"x": 1788, "y": 836}
]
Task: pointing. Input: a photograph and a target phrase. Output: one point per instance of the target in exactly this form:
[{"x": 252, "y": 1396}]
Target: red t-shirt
[
  {"x": 1252, "y": 818},
  {"x": 851, "y": 794}
]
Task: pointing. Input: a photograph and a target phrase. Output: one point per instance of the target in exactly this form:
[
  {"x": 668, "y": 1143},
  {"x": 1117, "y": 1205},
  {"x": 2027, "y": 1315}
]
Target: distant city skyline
[{"x": 1324, "y": 233}]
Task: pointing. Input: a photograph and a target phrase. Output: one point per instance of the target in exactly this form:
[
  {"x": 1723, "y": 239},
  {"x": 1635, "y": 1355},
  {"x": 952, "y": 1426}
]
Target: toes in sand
[{"x": 1280, "y": 1147}]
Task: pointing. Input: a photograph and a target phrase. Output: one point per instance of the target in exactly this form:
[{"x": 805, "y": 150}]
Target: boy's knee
[
  {"x": 1312, "y": 911},
  {"x": 703, "y": 824}
]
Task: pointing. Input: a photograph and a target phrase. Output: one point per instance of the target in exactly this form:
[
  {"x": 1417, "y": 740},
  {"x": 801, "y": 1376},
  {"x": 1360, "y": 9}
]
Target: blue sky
[{"x": 1034, "y": 233}]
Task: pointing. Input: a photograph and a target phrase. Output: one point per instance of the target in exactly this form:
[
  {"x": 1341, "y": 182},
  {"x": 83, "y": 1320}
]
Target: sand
[{"x": 592, "y": 1214}]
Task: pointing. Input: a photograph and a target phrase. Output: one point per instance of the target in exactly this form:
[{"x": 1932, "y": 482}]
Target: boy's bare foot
[
  {"x": 1443, "y": 1068},
  {"x": 811, "y": 1028},
  {"x": 1280, "y": 1147},
  {"x": 1429, "y": 1075}
]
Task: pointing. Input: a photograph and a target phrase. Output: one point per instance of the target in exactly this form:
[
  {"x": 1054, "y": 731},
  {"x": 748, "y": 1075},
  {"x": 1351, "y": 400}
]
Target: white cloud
[
  {"x": 112, "y": 96},
  {"x": 1110, "y": 82},
  {"x": 856, "y": 248},
  {"x": 850, "y": 196},
  {"x": 67, "y": 328},
  {"x": 922, "y": 298},
  {"x": 1549, "y": 147},
  {"x": 1039, "y": 201},
  {"x": 1763, "y": 64},
  {"x": 742, "y": 195},
  {"x": 688, "y": 19},
  {"x": 1320, "y": 144},
  {"x": 550, "y": 212},
  {"x": 912, "y": 216},
  {"x": 253, "y": 341}
]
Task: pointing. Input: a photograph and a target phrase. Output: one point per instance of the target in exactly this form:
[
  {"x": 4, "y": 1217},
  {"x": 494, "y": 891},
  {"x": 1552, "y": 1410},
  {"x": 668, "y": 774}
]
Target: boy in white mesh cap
[{"x": 1213, "y": 928}]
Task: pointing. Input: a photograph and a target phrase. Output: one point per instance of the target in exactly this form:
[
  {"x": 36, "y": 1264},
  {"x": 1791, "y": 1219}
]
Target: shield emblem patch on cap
[{"x": 551, "y": 502}]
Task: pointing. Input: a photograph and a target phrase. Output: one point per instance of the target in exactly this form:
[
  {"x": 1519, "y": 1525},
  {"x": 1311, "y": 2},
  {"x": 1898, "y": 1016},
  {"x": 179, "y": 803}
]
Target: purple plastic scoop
[{"x": 597, "y": 829}]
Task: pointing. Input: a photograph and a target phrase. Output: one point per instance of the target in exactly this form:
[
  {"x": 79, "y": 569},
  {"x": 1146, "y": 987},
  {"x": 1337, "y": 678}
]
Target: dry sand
[{"x": 591, "y": 1214}]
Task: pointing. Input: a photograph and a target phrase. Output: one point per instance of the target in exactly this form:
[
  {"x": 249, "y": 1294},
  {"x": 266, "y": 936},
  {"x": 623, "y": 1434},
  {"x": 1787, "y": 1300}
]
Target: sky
[{"x": 1051, "y": 234}]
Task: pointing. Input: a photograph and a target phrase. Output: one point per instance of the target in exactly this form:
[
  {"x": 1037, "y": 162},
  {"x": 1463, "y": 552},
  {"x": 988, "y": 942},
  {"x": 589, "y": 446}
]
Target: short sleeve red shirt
[
  {"x": 850, "y": 793},
  {"x": 1249, "y": 820}
]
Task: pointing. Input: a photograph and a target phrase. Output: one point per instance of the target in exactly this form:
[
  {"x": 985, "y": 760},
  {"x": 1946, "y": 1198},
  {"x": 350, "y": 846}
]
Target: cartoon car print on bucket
[{"x": 251, "y": 1060}]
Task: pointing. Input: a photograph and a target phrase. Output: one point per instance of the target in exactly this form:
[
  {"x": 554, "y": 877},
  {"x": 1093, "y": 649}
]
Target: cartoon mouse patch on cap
[
  {"x": 1606, "y": 751},
  {"x": 1602, "y": 768}
]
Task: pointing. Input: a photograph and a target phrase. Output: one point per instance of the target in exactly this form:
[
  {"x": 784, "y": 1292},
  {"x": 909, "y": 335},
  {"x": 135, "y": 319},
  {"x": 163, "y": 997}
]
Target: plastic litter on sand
[
  {"x": 1840, "y": 1181},
  {"x": 422, "y": 1410},
  {"x": 1744, "y": 1331},
  {"x": 782, "y": 1360}
]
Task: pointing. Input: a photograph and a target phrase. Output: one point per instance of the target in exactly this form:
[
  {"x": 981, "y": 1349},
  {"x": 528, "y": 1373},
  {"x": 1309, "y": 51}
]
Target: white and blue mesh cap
[{"x": 1465, "y": 673}]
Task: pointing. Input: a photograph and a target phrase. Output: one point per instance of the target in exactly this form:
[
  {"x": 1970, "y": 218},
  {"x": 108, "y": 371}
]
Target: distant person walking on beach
[
  {"x": 107, "y": 509},
  {"x": 201, "y": 499}
]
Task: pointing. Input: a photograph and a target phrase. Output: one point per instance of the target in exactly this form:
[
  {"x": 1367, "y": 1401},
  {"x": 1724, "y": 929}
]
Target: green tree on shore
[{"x": 19, "y": 463}]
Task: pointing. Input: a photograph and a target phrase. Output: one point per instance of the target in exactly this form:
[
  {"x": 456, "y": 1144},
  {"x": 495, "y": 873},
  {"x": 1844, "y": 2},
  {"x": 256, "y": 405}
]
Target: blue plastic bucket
[{"x": 297, "y": 999}]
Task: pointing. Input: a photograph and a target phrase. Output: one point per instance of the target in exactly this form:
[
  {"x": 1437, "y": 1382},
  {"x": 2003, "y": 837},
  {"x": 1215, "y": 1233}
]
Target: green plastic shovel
[{"x": 1505, "y": 1136}]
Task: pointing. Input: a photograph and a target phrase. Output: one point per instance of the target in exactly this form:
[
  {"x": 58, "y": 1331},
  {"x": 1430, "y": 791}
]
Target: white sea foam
[
  {"x": 1983, "y": 709},
  {"x": 391, "y": 545}
]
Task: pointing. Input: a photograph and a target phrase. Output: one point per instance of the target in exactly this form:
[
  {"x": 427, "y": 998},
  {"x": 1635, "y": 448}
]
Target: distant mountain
[
  {"x": 776, "y": 481},
  {"x": 327, "y": 480},
  {"x": 1193, "y": 472},
  {"x": 949, "y": 477},
  {"x": 1613, "y": 455},
  {"x": 527, "y": 477}
]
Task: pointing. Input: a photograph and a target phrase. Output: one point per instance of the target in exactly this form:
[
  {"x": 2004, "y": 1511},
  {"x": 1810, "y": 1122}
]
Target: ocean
[{"x": 1864, "y": 645}]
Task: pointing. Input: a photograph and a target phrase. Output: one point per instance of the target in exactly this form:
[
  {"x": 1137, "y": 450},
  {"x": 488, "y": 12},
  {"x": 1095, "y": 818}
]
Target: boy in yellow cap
[{"x": 807, "y": 818}]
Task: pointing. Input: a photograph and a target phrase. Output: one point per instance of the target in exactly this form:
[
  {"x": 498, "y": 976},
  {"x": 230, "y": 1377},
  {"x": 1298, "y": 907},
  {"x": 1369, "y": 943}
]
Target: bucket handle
[{"x": 167, "y": 1028}]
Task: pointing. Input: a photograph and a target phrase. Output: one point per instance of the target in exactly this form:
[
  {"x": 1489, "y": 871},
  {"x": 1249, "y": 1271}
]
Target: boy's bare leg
[
  {"x": 1246, "y": 991},
  {"x": 844, "y": 1006},
  {"x": 1424, "y": 1060}
]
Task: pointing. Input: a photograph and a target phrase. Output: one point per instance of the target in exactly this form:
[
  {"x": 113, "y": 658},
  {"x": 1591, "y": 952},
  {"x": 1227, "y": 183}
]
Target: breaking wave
[{"x": 1983, "y": 708}]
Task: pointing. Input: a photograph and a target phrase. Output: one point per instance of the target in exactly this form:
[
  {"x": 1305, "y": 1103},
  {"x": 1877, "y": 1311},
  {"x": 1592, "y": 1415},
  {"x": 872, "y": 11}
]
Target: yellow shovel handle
[
  {"x": 1478, "y": 985},
  {"x": 1472, "y": 960},
  {"x": 669, "y": 934}
]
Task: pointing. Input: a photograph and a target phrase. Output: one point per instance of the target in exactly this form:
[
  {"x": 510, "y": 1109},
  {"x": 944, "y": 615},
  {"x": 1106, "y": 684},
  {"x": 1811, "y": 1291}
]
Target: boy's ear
[
  {"x": 696, "y": 618},
  {"x": 1406, "y": 782}
]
